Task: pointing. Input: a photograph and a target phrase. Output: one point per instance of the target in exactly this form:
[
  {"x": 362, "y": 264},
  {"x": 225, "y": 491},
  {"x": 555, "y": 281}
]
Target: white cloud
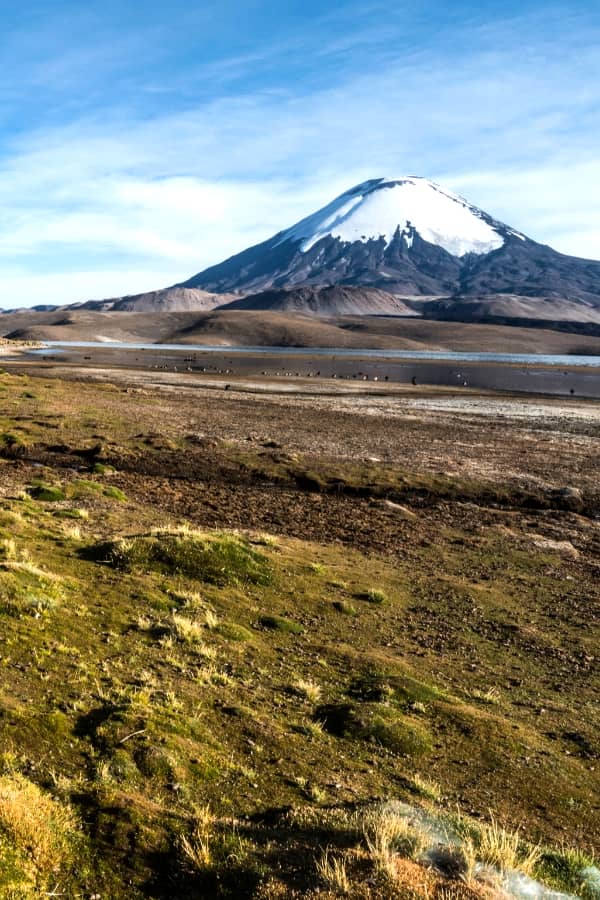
[
  {"x": 22, "y": 288},
  {"x": 130, "y": 202}
]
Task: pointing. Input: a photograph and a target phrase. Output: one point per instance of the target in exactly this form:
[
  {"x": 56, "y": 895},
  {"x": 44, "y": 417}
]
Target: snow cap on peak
[{"x": 378, "y": 208}]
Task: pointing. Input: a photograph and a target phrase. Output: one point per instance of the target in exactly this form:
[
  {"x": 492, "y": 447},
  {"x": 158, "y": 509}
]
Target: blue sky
[{"x": 141, "y": 142}]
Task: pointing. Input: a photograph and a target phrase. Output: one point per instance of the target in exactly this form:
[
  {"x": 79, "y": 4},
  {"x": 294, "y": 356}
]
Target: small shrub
[
  {"x": 47, "y": 493},
  {"x": 233, "y": 632},
  {"x": 279, "y": 623},
  {"x": 373, "y": 595},
  {"x": 345, "y": 608}
]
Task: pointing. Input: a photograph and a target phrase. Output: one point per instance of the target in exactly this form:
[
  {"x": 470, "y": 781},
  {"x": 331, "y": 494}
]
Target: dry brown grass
[
  {"x": 332, "y": 872},
  {"x": 197, "y": 847},
  {"x": 308, "y": 689},
  {"x": 390, "y": 835},
  {"x": 186, "y": 630},
  {"x": 505, "y": 849},
  {"x": 39, "y": 832}
]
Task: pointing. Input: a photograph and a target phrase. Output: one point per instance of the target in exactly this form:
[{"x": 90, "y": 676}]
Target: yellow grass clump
[{"x": 38, "y": 837}]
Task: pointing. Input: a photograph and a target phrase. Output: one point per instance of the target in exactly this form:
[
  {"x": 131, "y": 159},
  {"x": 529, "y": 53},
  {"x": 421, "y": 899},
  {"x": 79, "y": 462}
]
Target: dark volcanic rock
[{"x": 335, "y": 300}]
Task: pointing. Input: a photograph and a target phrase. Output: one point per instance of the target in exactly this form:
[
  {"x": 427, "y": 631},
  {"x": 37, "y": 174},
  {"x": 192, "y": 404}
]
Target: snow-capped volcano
[
  {"x": 384, "y": 207},
  {"x": 411, "y": 238}
]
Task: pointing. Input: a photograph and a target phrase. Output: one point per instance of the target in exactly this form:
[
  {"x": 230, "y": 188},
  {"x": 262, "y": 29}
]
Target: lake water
[
  {"x": 564, "y": 376},
  {"x": 458, "y": 356}
]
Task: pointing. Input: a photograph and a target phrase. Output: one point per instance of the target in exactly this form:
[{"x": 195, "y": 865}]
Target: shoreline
[
  {"x": 193, "y": 352},
  {"x": 374, "y": 370},
  {"x": 391, "y": 400}
]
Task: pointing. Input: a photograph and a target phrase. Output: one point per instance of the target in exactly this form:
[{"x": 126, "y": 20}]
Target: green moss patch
[
  {"x": 376, "y": 724},
  {"x": 280, "y": 623},
  {"x": 47, "y": 493},
  {"x": 221, "y": 559},
  {"x": 27, "y": 590},
  {"x": 233, "y": 632}
]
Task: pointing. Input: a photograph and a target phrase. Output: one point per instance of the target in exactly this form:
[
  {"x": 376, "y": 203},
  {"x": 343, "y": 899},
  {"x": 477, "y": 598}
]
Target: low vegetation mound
[
  {"x": 26, "y": 589},
  {"x": 219, "y": 559}
]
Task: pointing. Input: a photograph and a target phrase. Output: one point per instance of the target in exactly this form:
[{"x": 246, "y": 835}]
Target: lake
[{"x": 565, "y": 376}]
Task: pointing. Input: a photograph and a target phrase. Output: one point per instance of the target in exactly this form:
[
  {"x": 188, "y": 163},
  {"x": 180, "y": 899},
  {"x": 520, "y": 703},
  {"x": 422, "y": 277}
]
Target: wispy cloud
[{"x": 134, "y": 190}]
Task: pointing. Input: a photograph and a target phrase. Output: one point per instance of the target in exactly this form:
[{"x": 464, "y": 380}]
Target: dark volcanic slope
[
  {"x": 174, "y": 299},
  {"x": 420, "y": 269},
  {"x": 390, "y": 247},
  {"x": 335, "y": 300},
  {"x": 520, "y": 267},
  {"x": 506, "y": 308}
]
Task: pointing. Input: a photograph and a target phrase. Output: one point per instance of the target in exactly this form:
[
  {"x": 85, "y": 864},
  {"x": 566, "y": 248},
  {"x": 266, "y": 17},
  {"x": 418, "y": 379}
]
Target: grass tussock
[
  {"x": 376, "y": 724},
  {"x": 221, "y": 559},
  {"x": 47, "y": 493},
  {"x": 345, "y": 608},
  {"x": 171, "y": 677},
  {"x": 308, "y": 689},
  {"x": 281, "y": 624},
  {"x": 26, "y": 589},
  {"x": 389, "y": 834},
  {"x": 186, "y": 630},
  {"x": 373, "y": 595},
  {"x": 504, "y": 849},
  {"x": 332, "y": 872},
  {"x": 39, "y": 837},
  {"x": 233, "y": 631}
]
